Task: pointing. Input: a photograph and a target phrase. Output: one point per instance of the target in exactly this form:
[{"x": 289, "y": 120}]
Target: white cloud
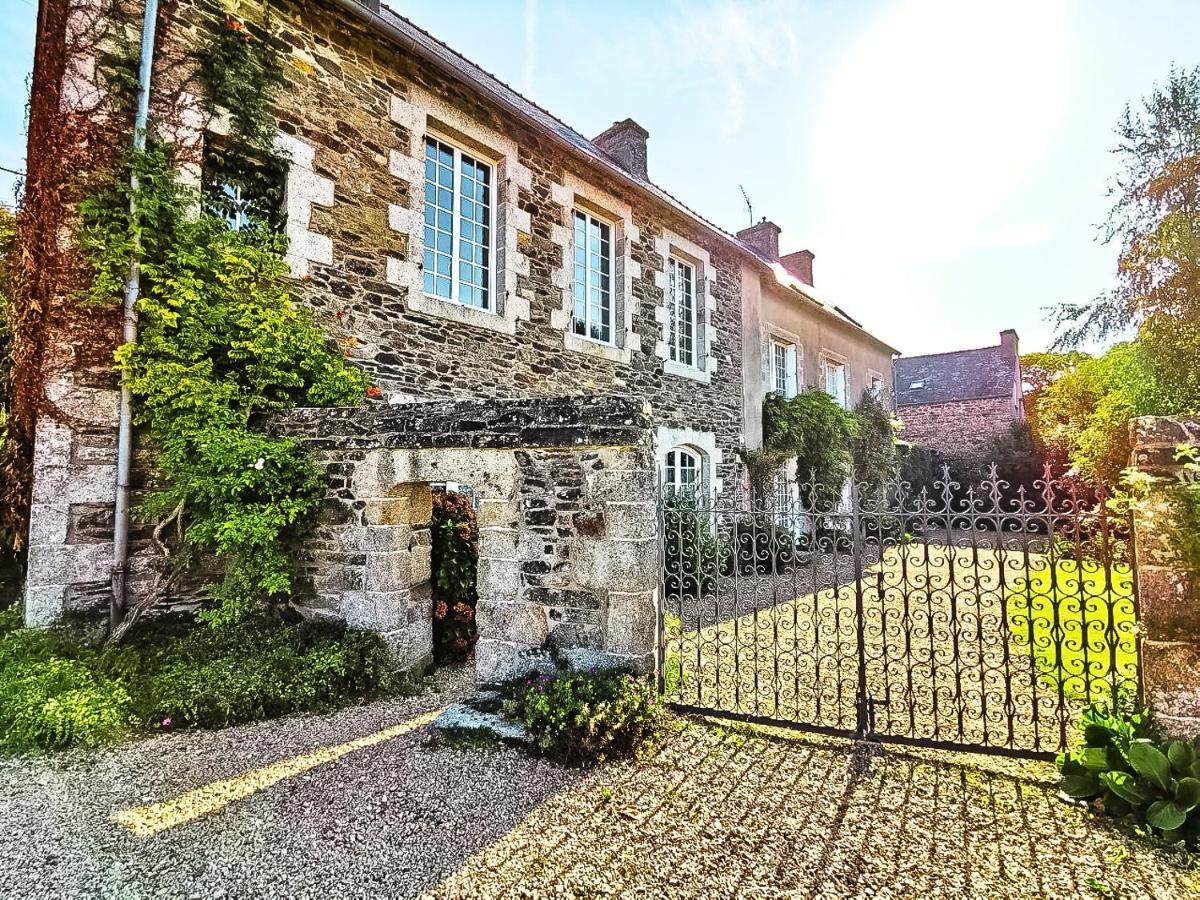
[
  {"x": 934, "y": 120},
  {"x": 726, "y": 46}
]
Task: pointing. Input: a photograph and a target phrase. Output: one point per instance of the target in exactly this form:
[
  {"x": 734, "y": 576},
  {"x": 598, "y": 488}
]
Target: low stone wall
[
  {"x": 1168, "y": 594},
  {"x": 568, "y": 563}
]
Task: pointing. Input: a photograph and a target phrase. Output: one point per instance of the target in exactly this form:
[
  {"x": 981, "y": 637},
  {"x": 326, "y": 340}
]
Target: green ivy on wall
[{"x": 220, "y": 341}]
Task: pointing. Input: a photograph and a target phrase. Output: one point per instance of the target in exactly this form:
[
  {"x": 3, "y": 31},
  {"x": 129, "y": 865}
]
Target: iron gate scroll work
[{"x": 971, "y": 617}]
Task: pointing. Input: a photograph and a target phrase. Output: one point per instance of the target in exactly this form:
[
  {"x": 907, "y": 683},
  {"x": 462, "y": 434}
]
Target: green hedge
[{"x": 55, "y": 693}]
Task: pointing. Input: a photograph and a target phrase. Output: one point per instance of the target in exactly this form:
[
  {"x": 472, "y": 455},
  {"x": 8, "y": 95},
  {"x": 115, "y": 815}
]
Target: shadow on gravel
[{"x": 725, "y": 811}]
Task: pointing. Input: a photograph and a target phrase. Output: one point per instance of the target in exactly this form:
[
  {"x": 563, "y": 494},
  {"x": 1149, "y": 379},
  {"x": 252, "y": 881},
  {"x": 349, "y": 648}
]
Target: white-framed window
[
  {"x": 875, "y": 385},
  {"x": 681, "y": 311},
  {"x": 834, "y": 380},
  {"x": 593, "y": 313},
  {"x": 684, "y": 472},
  {"x": 783, "y": 369},
  {"x": 458, "y": 226}
]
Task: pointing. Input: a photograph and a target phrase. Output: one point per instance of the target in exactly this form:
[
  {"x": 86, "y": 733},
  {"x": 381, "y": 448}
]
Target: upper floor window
[
  {"x": 875, "y": 386},
  {"x": 783, "y": 369},
  {"x": 834, "y": 376},
  {"x": 684, "y": 472},
  {"x": 245, "y": 192},
  {"x": 681, "y": 310},
  {"x": 593, "y": 313},
  {"x": 458, "y": 226}
]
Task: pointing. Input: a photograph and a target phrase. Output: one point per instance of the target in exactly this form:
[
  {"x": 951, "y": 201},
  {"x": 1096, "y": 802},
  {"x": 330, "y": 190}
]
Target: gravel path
[{"x": 712, "y": 812}]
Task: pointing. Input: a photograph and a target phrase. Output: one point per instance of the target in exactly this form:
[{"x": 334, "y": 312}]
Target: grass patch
[
  {"x": 1078, "y": 623},
  {"x": 56, "y": 693}
]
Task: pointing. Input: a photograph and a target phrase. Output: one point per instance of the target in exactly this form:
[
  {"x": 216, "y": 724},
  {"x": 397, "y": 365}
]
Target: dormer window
[{"x": 917, "y": 386}]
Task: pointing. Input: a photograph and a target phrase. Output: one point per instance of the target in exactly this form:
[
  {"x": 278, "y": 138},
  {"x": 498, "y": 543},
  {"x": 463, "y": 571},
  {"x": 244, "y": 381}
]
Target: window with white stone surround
[
  {"x": 835, "y": 379},
  {"x": 685, "y": 315},
  {"x": 462, "y": 219},
  {"x": 457, "y": 260},
  {"x": 688, "y": 459},
  {"x": 596, "y": 279}
]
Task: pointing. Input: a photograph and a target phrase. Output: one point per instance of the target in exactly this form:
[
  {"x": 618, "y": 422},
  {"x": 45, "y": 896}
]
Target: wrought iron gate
[{"x": 960, "y": 616}]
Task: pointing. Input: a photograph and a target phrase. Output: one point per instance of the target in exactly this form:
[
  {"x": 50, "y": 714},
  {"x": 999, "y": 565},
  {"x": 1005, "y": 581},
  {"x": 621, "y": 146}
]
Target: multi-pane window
[
  {"x": 783, "y": 369},
  {"x": 681, "y": 308},
  {"x": 458, "y": 225},
  {"x": 835, "y": 381},
  {"x": 684, "y": 472},
  {"x": 876, "y": 386},
  {"x": 592, "y": 316}
]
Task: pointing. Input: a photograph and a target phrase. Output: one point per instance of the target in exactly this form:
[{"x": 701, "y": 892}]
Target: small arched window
[{"x": 684, "y": 471}]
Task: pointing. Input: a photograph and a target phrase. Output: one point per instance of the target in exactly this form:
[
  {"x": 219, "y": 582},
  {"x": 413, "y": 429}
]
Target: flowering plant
[{"x": 581, "y": 718}]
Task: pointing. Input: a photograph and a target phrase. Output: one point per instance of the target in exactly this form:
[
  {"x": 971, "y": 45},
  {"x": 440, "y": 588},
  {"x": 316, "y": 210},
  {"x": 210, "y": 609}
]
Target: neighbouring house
[
  {"x": 798, "y": 339},
  {"x": 957, "y": 402},
  {"x": 466, "y": 247}
]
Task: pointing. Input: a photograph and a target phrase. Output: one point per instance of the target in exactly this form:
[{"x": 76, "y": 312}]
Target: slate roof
[
  {"x": 417, "y": 39},
  {"x": 960, "y": 375}
]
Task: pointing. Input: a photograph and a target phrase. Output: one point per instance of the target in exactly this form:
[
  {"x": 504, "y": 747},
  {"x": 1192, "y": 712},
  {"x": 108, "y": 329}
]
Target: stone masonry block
[
  {"x": 632, "y": 623},
  {"x": 631, "y": 521},
  {"x": 69, "y": 564},
  {"x": 1171, "y": 677},
  {"x": 525, "y": 623},
  {"x": 498, "y": 661},
  {"x": 499, "y": 580}
]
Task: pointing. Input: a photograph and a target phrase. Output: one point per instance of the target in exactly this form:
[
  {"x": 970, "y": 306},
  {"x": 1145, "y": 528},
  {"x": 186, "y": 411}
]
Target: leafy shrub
[
  {"x": 455, "y": 564},
  {"x": 691, "y": 554},
  {"x": 1122, "y": 769},
  {"x": 585, "y": 717},
  {"x": 213, "y": 678},
  {"x": 820, "y": 435},
  {"x": 756, "y": 543},
  {"x": 56, "y": 693}
]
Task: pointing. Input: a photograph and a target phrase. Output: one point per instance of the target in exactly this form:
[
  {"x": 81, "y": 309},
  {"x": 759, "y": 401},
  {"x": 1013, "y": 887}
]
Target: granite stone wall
[
  {"x": 1168, "y": 591},
  {"x": 961, "y": 428},
  {"x": 352, "y": 120},
  {"x": 565, "y": 488}
]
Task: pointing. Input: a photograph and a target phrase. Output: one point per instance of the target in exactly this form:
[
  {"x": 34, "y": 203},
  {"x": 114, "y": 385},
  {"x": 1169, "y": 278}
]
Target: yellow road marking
[{"x": 145, "y": 821}]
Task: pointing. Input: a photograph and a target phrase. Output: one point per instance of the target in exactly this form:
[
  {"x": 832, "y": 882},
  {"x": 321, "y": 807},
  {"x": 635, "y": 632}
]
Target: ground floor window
[{"x": 684, "y": 472}]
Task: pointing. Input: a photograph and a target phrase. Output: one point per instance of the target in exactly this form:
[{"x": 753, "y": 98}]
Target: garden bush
[
  {"x": 455, "y": 564},
  {"x": 691, "y": 554},
  {"x": 57, "y": 693},
  {"x": 1123, "y": 768},
  {"x": 580, "y": 718}
]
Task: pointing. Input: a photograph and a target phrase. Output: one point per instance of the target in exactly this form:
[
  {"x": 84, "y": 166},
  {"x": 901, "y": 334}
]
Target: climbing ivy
[{"x": 220, "y": 341}]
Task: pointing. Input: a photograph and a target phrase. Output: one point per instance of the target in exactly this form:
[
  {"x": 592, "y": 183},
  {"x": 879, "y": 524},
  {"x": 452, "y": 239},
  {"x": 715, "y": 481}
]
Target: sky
[{"x": 946, "y": 160}]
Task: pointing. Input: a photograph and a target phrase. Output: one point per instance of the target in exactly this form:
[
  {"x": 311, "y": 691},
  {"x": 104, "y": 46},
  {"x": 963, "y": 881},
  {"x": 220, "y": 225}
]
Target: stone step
[{"x": 465, "y": 717}]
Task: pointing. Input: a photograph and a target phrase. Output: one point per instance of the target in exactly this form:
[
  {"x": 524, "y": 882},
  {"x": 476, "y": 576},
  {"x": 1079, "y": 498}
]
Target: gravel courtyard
[{"x": 362, "y": 803}]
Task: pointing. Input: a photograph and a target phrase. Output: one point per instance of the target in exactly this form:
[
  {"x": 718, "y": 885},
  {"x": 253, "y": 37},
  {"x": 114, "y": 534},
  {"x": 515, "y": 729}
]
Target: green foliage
[
  {"x": 56, "y": 693},
  {"x": 1185, "y": 502},
  {"x": 586, "y": 717},
  {"x": 242, "y": 72},
  {"x": 455, "y": 563},
  {"x": 220, "y": 341},
  {"x": 1156, "y": 221},
  {"x": 691, "y": 552},
  {"x": 1124, "y": 770},
  {"x": 1083, "y": 414},
  {"x": 873, "y": 444},
  {"x": 819, "y": 435}
]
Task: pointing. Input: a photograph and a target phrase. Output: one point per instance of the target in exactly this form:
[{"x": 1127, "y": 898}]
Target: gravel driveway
[{"x": 713, "y": 812}]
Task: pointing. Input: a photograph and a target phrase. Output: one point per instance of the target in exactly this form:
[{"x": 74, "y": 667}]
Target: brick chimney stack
[
  {"x": 799, "y": 265},
  {"x": 625, "y": 143},
  {"x": 763, "y": 237}
]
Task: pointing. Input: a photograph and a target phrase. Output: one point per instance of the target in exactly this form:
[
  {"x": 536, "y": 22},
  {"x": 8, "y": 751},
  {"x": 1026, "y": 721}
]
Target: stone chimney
[
  {"x": 799, "y": 265},
  {"x": 625, "y": 143},
  {"x": 1008, "y": 340},
  {"x": 763, "y": 237}
]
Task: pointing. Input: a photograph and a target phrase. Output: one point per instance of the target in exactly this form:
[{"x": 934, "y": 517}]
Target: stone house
[
  {"x": 465, "y": 246},
  {"x": 798, "y": 339},
  {"x": 958, "y": 402}
]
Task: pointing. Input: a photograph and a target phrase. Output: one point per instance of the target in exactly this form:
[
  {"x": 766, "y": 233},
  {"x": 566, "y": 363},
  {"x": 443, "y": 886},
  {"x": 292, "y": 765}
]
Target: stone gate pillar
[{"x": 1168, "y": 593}]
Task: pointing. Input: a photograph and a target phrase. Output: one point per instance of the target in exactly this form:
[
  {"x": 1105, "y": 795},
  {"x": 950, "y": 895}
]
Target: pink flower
[{"x": 166, "y": 723}]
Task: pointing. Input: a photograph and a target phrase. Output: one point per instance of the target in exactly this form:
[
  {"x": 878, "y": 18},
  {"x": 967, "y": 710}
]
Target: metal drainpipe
[{"x": 132, "y": 288}]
